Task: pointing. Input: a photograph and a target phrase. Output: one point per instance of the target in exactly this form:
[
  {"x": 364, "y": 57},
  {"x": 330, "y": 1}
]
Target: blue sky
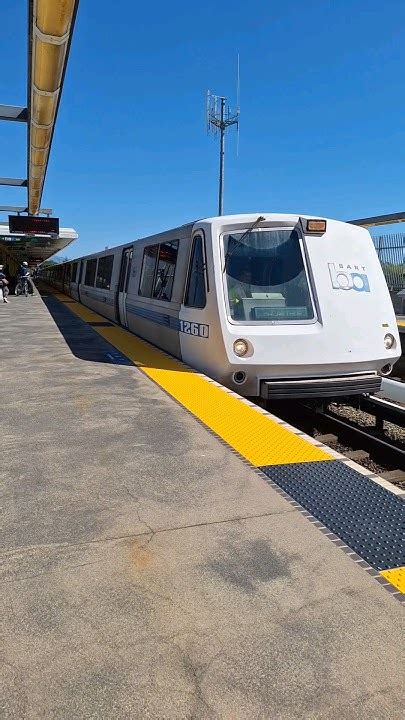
[{"x": 322, "y": 112}]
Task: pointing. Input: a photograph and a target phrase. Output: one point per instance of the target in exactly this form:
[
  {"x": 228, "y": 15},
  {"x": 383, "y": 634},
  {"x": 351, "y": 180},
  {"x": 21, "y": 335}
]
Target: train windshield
[{"x": 266, "y": 279}]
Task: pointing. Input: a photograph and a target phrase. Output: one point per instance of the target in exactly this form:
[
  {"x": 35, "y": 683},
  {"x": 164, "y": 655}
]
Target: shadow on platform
[{"x": 84, "y": 342}]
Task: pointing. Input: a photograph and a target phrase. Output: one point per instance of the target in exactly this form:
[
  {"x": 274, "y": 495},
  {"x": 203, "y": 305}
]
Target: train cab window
[
  {"x": 104, "y": 272},
  {"x": 165, "y": 270},
  {"x": 266, "y": 277},
  {"x": 195, "y": 292},
  {"x": 74, "y": 272},
  {"x": 148, "y": 270},
  {"x": 90, "y": 272}
]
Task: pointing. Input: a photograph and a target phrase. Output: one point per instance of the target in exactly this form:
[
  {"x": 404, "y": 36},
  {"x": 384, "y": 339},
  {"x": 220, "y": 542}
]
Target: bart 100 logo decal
[{"x": 343, "y": 278}]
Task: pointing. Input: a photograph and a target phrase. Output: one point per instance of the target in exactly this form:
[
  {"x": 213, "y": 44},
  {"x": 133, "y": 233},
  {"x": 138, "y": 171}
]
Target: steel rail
[
  {"x": 396, "y": 455},
  {"x": 384, "y": 410}
]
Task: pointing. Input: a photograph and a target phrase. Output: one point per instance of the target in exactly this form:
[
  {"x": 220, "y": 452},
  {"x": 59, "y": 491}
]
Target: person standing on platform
[
  {"x": 24, "y": 272},
  {"x": 3, "y": 284}
]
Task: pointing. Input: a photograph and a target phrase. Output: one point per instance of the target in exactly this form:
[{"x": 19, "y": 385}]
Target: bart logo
[{"x": 344, "y": 280}]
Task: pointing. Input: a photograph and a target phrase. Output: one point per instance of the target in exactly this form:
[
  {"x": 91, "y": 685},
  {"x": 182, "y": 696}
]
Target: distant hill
[{"x": 56, "y": 259}]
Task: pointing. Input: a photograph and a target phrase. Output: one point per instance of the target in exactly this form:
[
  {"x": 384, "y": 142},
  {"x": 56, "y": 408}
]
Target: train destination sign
[{"x": 33, "y": 225}]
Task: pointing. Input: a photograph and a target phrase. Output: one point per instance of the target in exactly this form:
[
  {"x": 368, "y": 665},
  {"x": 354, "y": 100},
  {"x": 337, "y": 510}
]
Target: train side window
[
  {"x": 196, "y": 292},
  {"x": 74, "y": 272},
  {"x": 165, "y": 270},
  {"x": 148, "y": 270},
  {"x": 104, "y": 272},
  {"x": 90, "y": 272}
]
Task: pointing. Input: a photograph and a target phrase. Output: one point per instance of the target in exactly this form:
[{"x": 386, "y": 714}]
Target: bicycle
[{"x": 22, "y": 287}]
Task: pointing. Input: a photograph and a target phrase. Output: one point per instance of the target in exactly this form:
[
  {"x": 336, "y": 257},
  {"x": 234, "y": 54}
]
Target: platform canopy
[
  {"x": 50, "y": 29},
  {"x": 35, "y": 249},
  {"x": 375, "y": 220}
]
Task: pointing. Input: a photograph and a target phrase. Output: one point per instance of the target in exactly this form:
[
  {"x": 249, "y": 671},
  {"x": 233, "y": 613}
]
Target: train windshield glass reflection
[{"x": 266, "y": 280}]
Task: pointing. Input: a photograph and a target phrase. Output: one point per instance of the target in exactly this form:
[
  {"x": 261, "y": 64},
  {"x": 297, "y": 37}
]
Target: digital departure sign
[{"x": 33, "y": 225}]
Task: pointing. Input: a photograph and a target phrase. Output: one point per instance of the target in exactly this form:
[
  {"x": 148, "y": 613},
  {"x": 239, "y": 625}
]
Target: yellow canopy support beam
[{"x": 51, "y": 24}]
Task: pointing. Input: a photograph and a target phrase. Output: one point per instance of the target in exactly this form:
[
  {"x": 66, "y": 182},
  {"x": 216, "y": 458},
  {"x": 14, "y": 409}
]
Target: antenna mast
[{"x": 219, "y": 118}]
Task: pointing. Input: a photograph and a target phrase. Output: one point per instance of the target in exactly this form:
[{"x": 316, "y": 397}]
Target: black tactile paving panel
[{"x": 366, "y": 516}]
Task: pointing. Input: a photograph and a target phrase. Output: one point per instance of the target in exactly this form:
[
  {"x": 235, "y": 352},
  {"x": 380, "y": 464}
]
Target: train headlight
[
  {"x": 240, "y": 347},
  {"x": 389, "y": 341}
]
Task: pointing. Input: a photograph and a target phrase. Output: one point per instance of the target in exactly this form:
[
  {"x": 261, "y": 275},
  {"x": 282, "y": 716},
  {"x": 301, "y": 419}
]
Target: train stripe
[{"x": 157, "y": 317}]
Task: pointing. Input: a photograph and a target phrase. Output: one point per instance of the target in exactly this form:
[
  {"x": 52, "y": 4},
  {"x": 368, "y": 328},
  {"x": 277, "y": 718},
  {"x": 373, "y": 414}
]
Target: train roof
[{"x": 217, "y": 221}]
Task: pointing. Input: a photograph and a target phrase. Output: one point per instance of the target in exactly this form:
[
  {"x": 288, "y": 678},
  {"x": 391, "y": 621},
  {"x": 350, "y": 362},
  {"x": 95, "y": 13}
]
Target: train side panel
[
  {"x": 99, "y": 279},
  {"x": 201, "y": 335},
  {"x": 154, "y": 319}
]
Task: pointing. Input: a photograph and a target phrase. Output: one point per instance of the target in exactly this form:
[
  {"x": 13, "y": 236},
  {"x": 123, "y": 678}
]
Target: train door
[
  {"x": 80, "y": 278},
  {"x": 193, "y": 325},
  {"x": 66, "y": 279},
  {"x": 125, "y": 274}
]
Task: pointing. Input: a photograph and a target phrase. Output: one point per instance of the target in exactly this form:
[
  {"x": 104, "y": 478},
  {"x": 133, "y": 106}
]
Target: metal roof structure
[
  {"x": 379, "y": 220},
  {"x": 34, "y": 249},
  {"x": 50, "y": 29}
]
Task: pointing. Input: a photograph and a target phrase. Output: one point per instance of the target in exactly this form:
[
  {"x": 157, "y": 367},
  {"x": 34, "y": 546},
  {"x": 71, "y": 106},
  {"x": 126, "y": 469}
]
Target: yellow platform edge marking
[
  {"x": 395, "y": 576},
  {"x": 255, "y": 436},
  {"x": 401, "y": 323}
]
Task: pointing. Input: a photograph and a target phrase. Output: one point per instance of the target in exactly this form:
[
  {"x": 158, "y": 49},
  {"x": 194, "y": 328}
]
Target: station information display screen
[{"x": 33, "y": 225}]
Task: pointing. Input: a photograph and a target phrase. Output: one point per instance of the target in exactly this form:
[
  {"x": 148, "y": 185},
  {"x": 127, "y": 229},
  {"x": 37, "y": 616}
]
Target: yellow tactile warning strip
[
  {"x": 396, "y": 576},
  {"x": 255, "y": 436},
  {"x": 401, "y": 323}
]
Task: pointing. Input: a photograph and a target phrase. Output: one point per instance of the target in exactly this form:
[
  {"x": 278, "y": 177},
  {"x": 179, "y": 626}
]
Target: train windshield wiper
[{"x": 246, "y": 234}]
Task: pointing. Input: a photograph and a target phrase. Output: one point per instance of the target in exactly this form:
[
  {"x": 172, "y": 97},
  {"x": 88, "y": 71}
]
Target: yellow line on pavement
[{"x": 255, "y": 436}]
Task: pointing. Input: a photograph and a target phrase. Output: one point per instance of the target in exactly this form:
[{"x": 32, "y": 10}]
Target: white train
[{"x": 276, "y": 306}]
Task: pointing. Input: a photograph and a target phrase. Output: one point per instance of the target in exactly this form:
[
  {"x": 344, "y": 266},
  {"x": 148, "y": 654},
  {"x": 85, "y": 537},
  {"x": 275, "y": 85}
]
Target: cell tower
[{"x": 219, "y": 118}]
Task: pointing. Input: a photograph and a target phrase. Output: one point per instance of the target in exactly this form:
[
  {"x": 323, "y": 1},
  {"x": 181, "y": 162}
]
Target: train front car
[{"x": 303, "y": 308}]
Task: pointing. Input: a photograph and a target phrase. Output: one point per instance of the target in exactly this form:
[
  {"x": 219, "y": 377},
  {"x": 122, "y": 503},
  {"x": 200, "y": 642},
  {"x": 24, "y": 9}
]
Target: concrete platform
[{"x": 148, "y": 572}]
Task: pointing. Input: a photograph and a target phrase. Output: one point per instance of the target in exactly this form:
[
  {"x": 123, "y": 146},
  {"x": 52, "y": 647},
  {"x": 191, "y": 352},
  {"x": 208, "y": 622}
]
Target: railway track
[
  {"x": 383, "y": 410},
  {"x": 369, "y": 445},
  {"x": 387, "y": 452}
]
